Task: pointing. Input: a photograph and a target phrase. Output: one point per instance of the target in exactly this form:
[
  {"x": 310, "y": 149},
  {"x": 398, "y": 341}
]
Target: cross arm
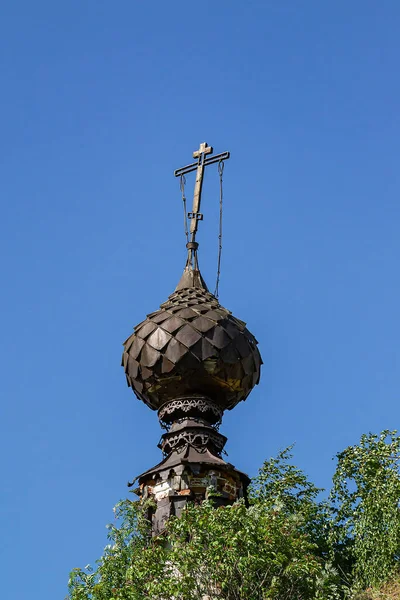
[{"x": 207, "y": 161}]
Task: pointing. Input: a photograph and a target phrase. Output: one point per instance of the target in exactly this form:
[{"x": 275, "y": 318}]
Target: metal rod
[
  {"x": 195, "y": 216},
  {"x": 208, "y": 161}
]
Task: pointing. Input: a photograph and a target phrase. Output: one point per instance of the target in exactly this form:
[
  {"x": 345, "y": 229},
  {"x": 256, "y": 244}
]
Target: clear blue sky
[{"x": 100, "y": 102}]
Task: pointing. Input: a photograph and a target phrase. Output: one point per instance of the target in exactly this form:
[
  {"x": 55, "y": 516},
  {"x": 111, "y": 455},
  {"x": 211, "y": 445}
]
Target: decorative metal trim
[
  {"x": 187, "y": 404},
  {"x": 194, "y": 438}
]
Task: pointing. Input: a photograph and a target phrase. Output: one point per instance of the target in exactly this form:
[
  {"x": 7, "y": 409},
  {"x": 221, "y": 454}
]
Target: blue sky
[{"x": 100, "y": 103}]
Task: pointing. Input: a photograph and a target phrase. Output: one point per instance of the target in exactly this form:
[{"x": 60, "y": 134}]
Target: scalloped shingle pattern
[{"x": 191, "y": 345}]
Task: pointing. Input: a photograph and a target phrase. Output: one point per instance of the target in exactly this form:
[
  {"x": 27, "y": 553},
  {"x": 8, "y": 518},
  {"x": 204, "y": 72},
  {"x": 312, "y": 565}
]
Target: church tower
[{"x": 190, "y": 361}]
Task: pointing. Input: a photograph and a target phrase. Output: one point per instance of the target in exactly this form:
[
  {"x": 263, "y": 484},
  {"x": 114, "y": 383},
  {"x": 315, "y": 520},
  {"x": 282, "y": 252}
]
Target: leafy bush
[
  {"x": 365, "y": 531},
  {"x": 285, "y": 545}
]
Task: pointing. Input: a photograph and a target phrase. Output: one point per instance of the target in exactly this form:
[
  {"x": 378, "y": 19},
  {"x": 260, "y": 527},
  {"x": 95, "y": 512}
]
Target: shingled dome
[
  {"x": 191, "y": 360},
  {"x": 191, "y": 345}
]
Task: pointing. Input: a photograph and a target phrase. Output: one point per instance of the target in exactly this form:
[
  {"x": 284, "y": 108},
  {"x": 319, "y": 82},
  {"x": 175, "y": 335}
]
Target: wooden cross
[{"x": 195, "y": 216}]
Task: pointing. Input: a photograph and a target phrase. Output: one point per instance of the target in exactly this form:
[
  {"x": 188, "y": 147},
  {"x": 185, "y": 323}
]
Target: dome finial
[{"x": 195, "y": 215}]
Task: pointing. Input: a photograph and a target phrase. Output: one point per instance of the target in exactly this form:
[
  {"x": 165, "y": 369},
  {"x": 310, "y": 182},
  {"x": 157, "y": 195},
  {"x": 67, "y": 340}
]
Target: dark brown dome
[{"x": 191, "y": 345}]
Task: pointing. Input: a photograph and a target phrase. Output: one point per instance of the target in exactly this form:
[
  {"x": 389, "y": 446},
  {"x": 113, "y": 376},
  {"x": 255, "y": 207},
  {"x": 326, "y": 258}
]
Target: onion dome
[
  {"x": 191, "y": 360},
  {"x": 192, "y": 347}
]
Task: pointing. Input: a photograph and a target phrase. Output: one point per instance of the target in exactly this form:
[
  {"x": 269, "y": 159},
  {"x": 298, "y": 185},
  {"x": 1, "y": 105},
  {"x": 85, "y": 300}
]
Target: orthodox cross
[{"x": 202, "y": 161}]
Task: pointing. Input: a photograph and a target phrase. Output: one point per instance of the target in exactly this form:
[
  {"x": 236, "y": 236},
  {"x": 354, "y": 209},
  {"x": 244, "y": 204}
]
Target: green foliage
[
  {"x": 365, "y": 533},
  {"x": 283, "y": 487},
  {"x": 286, "y": 545},
  {"x": 233, "y": 553}
]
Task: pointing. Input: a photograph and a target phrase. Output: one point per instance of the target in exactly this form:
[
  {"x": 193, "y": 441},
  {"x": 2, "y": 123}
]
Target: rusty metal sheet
[
  {"x": 129, "y": 339},
  {"x": 187, "y": 313},
  {"x": 250, "y": 336},
  {"x": 136, "y": 347},
  {"x": 133, "y": 367},
  {"x": 247, "y": 382},
  {"x": 159, "y": 338},
  {"x": 159, "y": 317},
  {"x": 172, "y": 324},
  {"x": 138, "y": 386},
  {"x": 182, "y": 304},
  {"x": 222, "y": 312},
  {"x": 203, "y": 324},
  {"x": 146, "y": 330},
  {"x": 231, "y": 328},
  {"x": 193, "y": 302},
  {"x": 229, "y": 354},
  {"x": 218, "y": 337},
  {"x": 212, "y": 314},
  {"x": 188, "y": 362},
  {"x": 242, "y": 346},
  {"x": 213, "y": 302},
  {"x": 174, "y": 309},
  {"x": 152, "y": 314},
  {"x": 257, "y": 357},
  {"x": 188, "y": 336},
  {"x": 248, "y": 365},
  {"x": 137, "y": 327},
  {"x": 175, "y": 350},
  {"x": 236, "y": 371},
  {"x": 146, "y": 373},
  {"x": 208, "y": 350},
  {"x": 167, "y": 365},
  {"x": 149, "y": 356},
  {"x": 241, "y": 324},
  {"x": 197, "y": 349}
]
